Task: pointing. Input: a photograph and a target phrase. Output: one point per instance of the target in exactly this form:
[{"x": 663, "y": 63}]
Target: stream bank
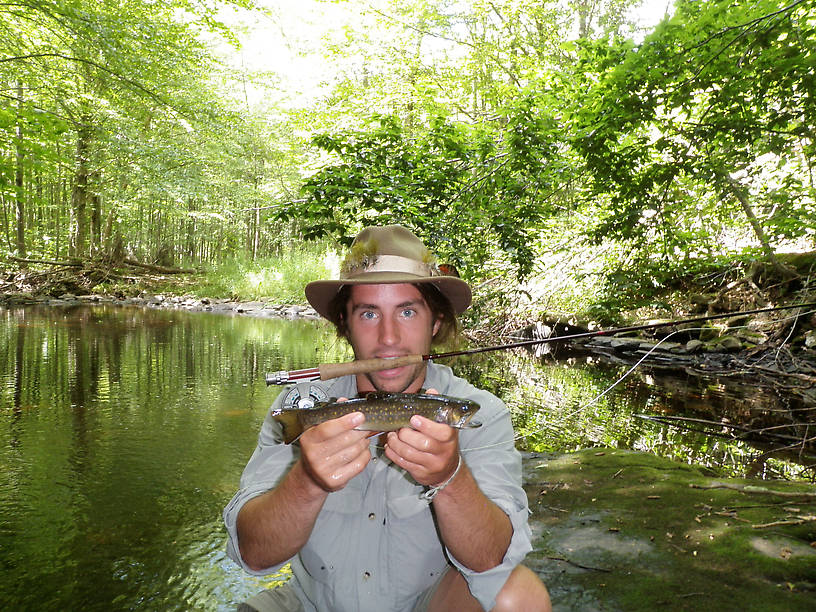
[
  {"x": 265, "y": 308},
  {"x": 620, "y": 530}
]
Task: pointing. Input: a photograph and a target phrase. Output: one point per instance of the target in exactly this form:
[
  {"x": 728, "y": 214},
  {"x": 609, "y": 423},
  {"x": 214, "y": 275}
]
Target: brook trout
[{"x": 383, "y": 412}]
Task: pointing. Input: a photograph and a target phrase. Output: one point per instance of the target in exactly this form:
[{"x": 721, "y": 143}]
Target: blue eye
[
  {"x": 408, "y": 313},
  {"x": 368, "y": 315}
]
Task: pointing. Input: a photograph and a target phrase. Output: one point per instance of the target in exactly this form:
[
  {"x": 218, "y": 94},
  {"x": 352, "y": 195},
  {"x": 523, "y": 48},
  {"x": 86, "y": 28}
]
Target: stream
[{"x": 124, "y": 430}]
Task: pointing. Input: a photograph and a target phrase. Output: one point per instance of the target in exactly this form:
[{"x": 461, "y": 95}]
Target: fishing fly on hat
[{"x": 388, "y": 254}]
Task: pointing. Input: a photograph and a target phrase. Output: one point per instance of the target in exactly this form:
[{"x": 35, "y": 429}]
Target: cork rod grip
[{"x": 334, "y": 370}]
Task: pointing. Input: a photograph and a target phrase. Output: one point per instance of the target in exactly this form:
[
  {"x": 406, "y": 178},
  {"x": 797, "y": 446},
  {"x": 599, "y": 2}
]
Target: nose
[{"x": 389, "y": 332}]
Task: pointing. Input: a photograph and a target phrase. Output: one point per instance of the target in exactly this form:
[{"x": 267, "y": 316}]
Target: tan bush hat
[{"x": 387, "y": 255}]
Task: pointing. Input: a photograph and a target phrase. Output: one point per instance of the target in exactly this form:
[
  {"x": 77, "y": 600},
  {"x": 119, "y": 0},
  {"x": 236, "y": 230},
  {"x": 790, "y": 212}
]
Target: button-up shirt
[{"x": 374, "y": 545}]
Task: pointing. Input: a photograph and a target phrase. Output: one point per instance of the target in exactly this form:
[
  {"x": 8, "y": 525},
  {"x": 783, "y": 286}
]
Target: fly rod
[{"x": 327, "y": 371}]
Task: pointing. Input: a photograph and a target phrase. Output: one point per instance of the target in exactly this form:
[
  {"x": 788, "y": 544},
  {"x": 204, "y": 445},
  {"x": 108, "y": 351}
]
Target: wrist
[
  {"x": 431, "y": 492},
  {"x": 310, "y": 488}
]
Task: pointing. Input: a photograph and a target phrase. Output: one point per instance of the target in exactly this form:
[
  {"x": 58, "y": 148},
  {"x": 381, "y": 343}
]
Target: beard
[{"x": 400, "y": 385}]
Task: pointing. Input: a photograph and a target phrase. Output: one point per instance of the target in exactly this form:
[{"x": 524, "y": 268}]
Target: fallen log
[
  {"x": 155, "y": 268},
  {"x": 48, "y": 262}
]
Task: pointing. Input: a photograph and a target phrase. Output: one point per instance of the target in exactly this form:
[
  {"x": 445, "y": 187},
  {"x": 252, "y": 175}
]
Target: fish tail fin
[{"x": 290, "y": 424}]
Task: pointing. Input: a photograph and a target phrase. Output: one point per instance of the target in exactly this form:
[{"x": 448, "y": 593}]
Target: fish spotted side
[{"x": 383, "y": 411}]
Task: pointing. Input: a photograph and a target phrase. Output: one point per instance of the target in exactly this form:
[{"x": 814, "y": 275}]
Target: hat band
[{"x": 392, "y": 263}]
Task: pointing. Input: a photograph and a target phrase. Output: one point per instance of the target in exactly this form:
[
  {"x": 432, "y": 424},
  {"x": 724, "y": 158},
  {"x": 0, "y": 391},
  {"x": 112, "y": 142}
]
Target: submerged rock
[
  {"x": 728, "y": 344},
  {"x": 624, "y": 530}
]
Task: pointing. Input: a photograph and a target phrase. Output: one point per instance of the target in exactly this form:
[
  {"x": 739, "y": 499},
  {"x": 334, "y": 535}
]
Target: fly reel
[{"x": 303, "y": 396}]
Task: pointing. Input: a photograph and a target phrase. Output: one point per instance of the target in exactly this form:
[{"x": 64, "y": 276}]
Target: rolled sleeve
[
  {"x": 268, "y": 464},
  {"x": 230, "y": 522},
  {"x": 485, "y": 586}
]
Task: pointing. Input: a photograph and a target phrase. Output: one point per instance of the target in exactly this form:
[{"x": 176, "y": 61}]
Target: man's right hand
[{"x": 333, "y": 452}]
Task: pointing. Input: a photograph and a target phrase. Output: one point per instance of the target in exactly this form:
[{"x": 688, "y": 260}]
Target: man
[{"x": 424, "y": 518}]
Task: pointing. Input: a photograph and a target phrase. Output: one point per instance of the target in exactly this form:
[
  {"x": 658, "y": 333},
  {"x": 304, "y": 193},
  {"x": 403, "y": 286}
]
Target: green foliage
[
  {"x": 717, "y": 101},
  {"x": 120, "y": 127},
  {"x": 472, "y": 193},
  {"x": 682, "y": 148},
  {"x": 278, "y": 278},
  {"x": 524, "y": 141}
]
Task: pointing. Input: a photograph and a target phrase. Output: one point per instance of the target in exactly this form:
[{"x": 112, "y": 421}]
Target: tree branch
[{"x": 96, "y": 65}]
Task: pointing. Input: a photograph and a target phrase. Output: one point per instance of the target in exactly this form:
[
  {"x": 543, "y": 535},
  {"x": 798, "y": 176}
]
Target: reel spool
[{"x": 303, "y": 396}]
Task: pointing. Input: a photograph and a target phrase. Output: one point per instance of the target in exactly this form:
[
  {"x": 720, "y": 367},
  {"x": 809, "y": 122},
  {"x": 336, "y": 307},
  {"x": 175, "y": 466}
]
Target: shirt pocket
[{"x": 403, "y": 495}]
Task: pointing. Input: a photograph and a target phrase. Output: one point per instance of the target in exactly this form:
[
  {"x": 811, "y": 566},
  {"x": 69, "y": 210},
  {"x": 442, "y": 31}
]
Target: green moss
[{"x": 621, "y": 530}]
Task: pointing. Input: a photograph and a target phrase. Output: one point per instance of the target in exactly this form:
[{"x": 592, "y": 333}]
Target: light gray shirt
[{"x": 374, "y": 545}]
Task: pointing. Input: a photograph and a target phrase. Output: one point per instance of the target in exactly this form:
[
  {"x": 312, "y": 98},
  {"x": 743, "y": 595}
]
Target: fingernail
[
  {"x": 357, "y": 418},
  {"x": 416, "y": 422}
]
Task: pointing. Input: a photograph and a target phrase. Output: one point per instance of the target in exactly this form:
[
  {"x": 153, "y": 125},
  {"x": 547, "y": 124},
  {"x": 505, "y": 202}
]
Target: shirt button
[
  {"x": 366, "y": 575},
  {"x": 372, "y": 516}
]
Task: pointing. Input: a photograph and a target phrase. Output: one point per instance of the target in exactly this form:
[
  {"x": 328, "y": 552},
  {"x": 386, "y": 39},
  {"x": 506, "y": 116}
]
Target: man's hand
[
  {"x": 428, "y": 451},
  {"x": 333, "y": 452}
]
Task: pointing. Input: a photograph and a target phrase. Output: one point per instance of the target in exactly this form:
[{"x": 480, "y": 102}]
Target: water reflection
[
  {"x": 123, "y": 433},
  {"x": 562, "y": 403}
]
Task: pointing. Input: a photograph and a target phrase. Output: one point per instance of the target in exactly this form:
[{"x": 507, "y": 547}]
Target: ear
[{"x": 437, "y": 324}]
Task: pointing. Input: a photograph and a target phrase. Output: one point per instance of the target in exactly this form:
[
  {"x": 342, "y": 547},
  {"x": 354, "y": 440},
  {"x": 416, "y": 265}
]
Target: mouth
[{"x": 391, "y": 371}]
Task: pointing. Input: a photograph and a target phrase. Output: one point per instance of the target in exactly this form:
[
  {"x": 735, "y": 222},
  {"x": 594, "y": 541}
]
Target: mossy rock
[
  {"x": 623, "y": 530},
  {"x": 729, "y": 344},
  {"x": 709, "y": 332},
  {"x": 804, "y": 263}
]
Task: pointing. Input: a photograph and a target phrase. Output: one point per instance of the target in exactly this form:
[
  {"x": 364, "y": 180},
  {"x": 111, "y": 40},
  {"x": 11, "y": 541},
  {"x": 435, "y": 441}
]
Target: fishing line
[
  {"x": 790, "y": 333},
  {"x": 606, "y": 391},
  {"x": 628, "y": 372},
  {"x": 519, "y": 436}
]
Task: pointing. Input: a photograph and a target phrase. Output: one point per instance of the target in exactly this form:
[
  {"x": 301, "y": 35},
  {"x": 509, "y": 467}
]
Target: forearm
[
  {"x": 474, "y": 529},
  {"x": 274, "y": 526}
]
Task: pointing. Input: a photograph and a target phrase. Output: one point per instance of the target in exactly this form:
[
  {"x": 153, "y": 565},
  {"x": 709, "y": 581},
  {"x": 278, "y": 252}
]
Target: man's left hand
[{"x": 428, "y": 451}]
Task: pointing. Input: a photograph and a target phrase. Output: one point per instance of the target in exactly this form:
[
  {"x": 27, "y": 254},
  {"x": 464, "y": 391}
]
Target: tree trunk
[
  {"x": 109, "y": 246},
  {"x": 190, "y": 237},
  {"x": 585, "y": 13},
  {"x": 18, "y": 176},
  {"x": 59, "y": 198},
  {"x": 6, "y": 222},
  {"x": 79, "y": 193},
  {"x": 737, "y": 190},
  {"x": 96, "y": 211}
]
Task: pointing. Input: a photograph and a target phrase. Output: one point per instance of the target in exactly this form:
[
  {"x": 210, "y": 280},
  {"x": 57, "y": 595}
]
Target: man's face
[{"x": 390, "y": 321}]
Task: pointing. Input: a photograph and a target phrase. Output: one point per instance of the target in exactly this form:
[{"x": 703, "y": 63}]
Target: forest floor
[{"x": 623, "y": 530}]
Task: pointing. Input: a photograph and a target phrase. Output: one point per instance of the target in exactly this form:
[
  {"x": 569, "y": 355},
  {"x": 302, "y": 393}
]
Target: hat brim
[{"x": 320, "y": 293}]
